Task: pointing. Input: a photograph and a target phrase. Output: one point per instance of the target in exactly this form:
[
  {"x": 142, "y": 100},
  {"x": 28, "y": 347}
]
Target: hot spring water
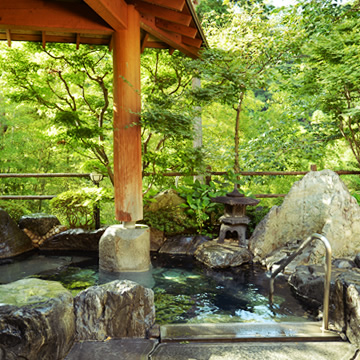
[{"x": 185, "y": 291}]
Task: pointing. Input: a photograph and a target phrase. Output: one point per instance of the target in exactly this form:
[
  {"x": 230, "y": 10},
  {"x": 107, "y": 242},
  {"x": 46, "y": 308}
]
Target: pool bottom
[{"x": 185, "y": 291}]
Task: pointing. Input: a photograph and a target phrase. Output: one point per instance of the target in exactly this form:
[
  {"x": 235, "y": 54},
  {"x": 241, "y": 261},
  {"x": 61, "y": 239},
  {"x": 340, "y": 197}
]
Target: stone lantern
[{"x": 234, "y": 218}]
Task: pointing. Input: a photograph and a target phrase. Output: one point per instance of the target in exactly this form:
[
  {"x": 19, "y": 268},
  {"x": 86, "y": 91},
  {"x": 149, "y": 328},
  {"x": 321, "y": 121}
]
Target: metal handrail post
[{"x": 327, "y": 280}]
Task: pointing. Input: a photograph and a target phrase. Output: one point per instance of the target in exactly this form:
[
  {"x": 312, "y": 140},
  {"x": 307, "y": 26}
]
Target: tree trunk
[{"x": 237, "y": 130}]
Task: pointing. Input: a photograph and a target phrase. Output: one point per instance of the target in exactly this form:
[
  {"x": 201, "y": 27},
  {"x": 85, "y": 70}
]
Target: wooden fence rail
[{"x": 171, "y": 174}]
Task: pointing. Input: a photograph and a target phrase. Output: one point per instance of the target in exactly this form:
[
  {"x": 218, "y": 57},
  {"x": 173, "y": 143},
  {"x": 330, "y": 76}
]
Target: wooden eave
[{"x": 168, "y": 24}]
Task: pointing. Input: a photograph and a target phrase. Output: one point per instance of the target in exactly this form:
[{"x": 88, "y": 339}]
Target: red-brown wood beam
[
  {"x": 8, "y": 37},
  {"x": 43, "y": 39},
  {"x": 173, "y": 40},
  {"x": 176, "y": 28},
  {"x": 173, "y": 4},
  {"x": 162, "y": 13},
  {"x": 192, "y": 42},
  {"x": 127, "y": 134},
  {"x": 52, "y": 16},
  {"x": 113, "y": 12},
  {"x": 144, "y": 42}
]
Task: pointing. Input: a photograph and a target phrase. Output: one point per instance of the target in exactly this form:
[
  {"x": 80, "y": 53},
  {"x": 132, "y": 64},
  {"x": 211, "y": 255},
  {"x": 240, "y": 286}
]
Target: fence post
[{"x": 208, "y": 176}]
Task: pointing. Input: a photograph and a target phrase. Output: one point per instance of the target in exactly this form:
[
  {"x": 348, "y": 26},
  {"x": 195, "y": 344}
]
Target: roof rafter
[
  {"x": 147, "y": 23},
  {"x": 51, "y": 16},
  {"x": 113, "y": 12}
]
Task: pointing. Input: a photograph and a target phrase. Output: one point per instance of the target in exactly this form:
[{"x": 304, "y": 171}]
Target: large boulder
[
  {"x": 347, "y": 304},
  {"x": 117, "y": 309},
  {"x": 39, "y": 224},
  {"x": 13, "y": 241},
  {"x": 165, "y": 199},
  {"x": 73, "y": 239},
  {"x": 320, "y": 203},
  {"x": 220, "y": 256},
  {"x": 36, "y": 320}
]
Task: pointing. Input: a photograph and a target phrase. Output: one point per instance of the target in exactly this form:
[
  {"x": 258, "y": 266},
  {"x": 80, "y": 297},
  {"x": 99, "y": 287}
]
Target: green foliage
[
  {"x": 75, "y": 207},
  {"x": 15, "y": 209},
  {"x": 171, "y": 220},
  {"x": 70, "y": 88},
  {"x": 199, "y": 205}
]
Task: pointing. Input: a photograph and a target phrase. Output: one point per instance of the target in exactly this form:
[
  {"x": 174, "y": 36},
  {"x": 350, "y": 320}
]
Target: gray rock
[
  {"x": 182, "y": 244},
  {"x": 347, "y": 303},
  {"x": 165, "y": 199},
  {"x": 225, "y": 255},
  {"x": 357, "y": 260},
  {"x": 321, "y": 203},
  {"x": 157, "y": 239},
  {"x": 343, "y": 264},
  {"x": 36, "y": 320},
  {"x": 39, "y": 224},
  {"x": 117, "y": 309},
  {"x": 74, "y": 239},
  {"x": 13, "y": 241}
]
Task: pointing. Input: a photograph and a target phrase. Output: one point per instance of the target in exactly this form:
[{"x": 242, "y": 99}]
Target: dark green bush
[{"x": 75, "y": 207}]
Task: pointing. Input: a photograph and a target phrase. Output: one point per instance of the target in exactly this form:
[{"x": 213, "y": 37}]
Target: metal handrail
[{"x": 302, "y": 247}]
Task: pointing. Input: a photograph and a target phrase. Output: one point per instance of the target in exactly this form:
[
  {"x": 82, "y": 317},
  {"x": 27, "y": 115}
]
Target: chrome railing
[{"x": 327, "y": 273}]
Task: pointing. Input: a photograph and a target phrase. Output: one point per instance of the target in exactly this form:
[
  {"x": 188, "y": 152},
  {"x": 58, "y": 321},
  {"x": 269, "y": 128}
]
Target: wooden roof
[{"x": 171, "y": 24}]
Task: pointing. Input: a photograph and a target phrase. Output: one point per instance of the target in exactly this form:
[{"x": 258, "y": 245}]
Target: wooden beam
[
  {"x": 8, "y": 37},
  {"x": 162, "y": 13},
  {"x": 144, "y": 42},
  {"x": 127, "y": 132},
  {"x": 43, "y": 39},
  {"x": 176, "y": 28},
  {"x": 173, "y": 40},
  {"x": 177, "y": 5},
  {"x": 61, "y": 38},
  {"x": 53, "y": 16},
  {"x": 192, "y": 42},
  {"x": 113, "y": 12},
  {"x": 77, "y": 41}
]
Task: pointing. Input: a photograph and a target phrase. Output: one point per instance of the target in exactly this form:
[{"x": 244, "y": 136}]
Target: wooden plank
[
  {"x": 10, "y": 175},
  {"x": 192, "y": 42},
  {"x": 144, "y": 42},
  {"x": 8, "y": 37},
  {"x": 113, "y": 12},
  {"x": 58, "y": 39},
  {"x": 27, "y": 197},
  {"x": 127, "y": 132},
  {"x": 173, "y": 40},
  {"x": 51, "y": 15},
  {"x": 176, "y": 28},
  {"x": 43, "y": 39},
  {"x": 162, "y": 13},
  {"x": 170, "y": 4}
]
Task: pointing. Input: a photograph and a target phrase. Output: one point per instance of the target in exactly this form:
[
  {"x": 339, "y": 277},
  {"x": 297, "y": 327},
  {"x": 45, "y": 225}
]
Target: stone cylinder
[{"x": 124, "y": 249}]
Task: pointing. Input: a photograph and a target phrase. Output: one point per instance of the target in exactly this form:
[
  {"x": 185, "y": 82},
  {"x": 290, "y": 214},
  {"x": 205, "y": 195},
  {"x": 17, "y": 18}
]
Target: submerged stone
[
  {"x": 36, "y": 320},
  {"x": 13, "y": 241},
  {"x": 117, "y": 309}
]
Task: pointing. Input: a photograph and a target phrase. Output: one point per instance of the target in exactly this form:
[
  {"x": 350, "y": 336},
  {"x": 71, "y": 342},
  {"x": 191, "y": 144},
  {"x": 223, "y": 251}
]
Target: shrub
[
  {"x": 75, "y": 207},
  {"x": 15, "y": 210}
]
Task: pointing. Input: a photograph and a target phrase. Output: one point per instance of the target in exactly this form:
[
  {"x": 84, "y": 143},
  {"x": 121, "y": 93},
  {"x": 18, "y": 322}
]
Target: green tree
[
  {"x": 243, "y": 55},
  {"x": 71, "y": 87},
  {"x": 329, "y": 70}
]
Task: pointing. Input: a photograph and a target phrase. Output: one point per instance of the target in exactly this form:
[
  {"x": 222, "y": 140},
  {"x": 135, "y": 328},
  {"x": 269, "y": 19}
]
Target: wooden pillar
[{"x": 127, "y": 134}]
